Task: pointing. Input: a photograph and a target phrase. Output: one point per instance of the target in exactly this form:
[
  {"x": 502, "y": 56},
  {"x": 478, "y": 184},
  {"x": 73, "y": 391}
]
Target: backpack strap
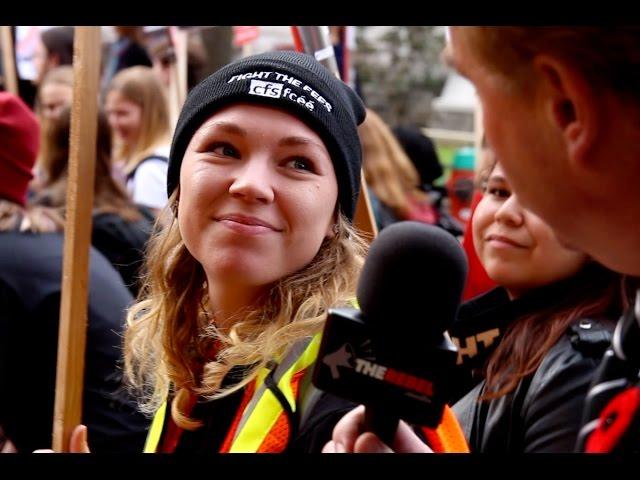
[{"x": 132, "y": 173}]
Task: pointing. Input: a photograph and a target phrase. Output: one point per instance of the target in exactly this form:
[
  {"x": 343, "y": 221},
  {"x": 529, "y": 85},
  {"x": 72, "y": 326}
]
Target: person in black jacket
[
  {"x": 120, "y": 229},
  {"x": 128, "y": 50},
  {"x": 31, "y": 250},
  {"x": 544, "y": 358},
  {"x": 528, "y": 350}
]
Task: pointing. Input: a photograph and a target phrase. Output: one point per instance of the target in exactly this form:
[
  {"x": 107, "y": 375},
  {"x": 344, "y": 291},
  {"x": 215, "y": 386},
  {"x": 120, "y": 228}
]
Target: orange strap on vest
[
  {"x": 246, "y": 398},
  {"x": 448, "y": 436},
  {"x": 278, "y": 437}
]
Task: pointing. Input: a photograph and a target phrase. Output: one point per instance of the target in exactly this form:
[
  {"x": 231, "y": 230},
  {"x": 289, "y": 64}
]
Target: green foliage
[{"x": 400, "y": 70}]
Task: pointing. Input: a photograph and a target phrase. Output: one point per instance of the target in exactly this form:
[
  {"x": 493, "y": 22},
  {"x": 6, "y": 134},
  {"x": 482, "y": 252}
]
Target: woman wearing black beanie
[{"x": 257, "y": 244}]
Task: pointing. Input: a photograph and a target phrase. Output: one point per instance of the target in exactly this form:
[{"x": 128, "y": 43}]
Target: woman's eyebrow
[
  {"x": 295, "y": 141},
  {"x": 226, "y": 127}
]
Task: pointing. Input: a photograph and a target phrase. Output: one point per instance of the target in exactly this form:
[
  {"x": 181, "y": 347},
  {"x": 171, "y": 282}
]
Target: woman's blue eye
[{"x": 224, "y": 149}]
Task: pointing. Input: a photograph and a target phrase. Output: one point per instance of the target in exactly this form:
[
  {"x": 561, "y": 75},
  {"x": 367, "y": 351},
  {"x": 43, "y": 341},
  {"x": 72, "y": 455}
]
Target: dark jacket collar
[{"x": 495, "y": 309}]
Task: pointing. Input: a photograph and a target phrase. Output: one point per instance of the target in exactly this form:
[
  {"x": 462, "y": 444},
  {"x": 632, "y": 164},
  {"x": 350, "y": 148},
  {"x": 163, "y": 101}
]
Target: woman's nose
[
  {"x": 510, "y": 212},
  {"x": 253, "y": 182}
]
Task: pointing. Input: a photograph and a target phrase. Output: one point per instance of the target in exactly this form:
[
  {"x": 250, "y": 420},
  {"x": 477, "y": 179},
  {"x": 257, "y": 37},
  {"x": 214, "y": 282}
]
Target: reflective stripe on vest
[
  {"x": 155, "y": 430},
  {"x": 262, "y": 412}
]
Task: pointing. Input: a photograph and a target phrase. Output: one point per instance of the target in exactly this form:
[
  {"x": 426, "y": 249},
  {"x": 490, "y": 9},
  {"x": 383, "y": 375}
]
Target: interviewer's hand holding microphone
[
  {"x": 349, "y": 436},
  {"x": 393, "y": 356}
]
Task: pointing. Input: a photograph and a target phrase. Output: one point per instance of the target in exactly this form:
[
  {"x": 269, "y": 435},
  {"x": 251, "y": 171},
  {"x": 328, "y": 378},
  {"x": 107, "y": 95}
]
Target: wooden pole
[
  {"x": 313, "y": 40},
  {"x": 363, "y": 218},
  {"x": 9, "y": 61},
  {"x": 247, "y": 49},
  {"x": 77, "y": 241},
  {"x": 180, "y": 39},
  {"x": 174, "y": 100}
]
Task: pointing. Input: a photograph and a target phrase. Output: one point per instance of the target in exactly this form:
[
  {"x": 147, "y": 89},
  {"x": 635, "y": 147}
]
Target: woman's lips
[
  {"x": 247, "y": 225},
  {"x": 504, "y": 242}
]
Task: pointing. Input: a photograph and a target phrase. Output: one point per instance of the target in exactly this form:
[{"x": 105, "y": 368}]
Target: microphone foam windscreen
[{"x": 412, "y": 280}]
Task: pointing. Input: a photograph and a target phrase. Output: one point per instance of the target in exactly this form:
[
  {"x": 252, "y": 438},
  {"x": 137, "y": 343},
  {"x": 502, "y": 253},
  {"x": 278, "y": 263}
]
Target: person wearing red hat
[
  {"x": 20, "y": 142},
  {"x": 31, "y": 246}
]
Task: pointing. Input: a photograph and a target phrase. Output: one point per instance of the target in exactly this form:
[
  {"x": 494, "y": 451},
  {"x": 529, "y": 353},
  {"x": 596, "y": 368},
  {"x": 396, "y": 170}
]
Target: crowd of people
[{"x": 220, "y": 241}]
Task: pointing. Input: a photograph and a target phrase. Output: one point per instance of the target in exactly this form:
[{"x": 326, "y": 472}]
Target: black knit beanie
[{"x": 292, "y": 81}]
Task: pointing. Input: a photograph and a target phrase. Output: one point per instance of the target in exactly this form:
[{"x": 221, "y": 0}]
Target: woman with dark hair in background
[
  {"x": 530, "y": 348},
  {"x": 55, "y": 48},
  {"x": 549, "y": 322},
  {"x": 423, "y": 154},
  {"x": 54, "y": 96},
  {"x": 55, "y": 92}
]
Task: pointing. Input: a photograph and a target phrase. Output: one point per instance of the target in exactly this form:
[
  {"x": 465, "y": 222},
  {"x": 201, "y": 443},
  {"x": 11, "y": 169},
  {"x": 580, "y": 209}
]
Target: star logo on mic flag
[{"x": 343, "y": 357}]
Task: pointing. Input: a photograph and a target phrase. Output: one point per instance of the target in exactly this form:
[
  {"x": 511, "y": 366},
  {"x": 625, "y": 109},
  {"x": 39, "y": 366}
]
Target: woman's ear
[
  {"x": 333, "y": 228},
  {"x": 174, "y": 201}
]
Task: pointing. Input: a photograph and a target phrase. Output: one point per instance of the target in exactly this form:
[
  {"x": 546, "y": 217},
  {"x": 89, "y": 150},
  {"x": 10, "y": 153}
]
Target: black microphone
[{"x": 394, "y": 355}]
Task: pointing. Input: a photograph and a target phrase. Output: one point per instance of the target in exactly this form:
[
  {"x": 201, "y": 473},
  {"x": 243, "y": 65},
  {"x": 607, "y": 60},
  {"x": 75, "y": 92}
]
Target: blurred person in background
[
  {"x": 138, "y": 113},
  {"x": 391, "y": 177},
  {"x": 128, "y": 50},
  {"x": 31, "y": 250},
  {"x": 120, "y": 229},
  {"x": 54, "y": 49}
]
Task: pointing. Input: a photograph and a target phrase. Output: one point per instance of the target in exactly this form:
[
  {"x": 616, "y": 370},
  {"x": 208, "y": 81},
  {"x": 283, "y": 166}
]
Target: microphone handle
[{"x": 380, "y": 423}]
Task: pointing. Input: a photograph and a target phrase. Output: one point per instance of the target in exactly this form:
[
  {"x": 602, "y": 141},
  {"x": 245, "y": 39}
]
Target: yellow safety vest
[{"x": 263, "y": 410}]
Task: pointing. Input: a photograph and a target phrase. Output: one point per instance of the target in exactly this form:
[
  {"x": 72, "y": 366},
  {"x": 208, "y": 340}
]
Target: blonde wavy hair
[
  {"x": 169, "y": 333},
  {"x": 141, "y": 86},
  {"x": 387, "y": 169}
]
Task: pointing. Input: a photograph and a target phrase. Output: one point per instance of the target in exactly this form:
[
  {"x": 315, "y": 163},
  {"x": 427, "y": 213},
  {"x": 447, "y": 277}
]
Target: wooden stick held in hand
[{"x": 77, "y": 241}]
